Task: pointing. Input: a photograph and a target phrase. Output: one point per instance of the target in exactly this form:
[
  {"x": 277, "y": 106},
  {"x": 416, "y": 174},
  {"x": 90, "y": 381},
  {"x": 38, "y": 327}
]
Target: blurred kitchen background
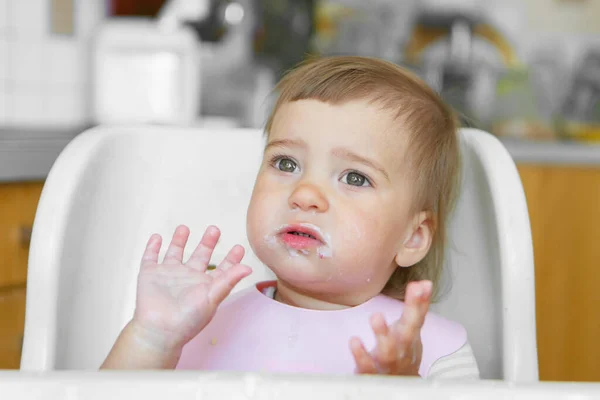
[{"x": 526, "y": 71}]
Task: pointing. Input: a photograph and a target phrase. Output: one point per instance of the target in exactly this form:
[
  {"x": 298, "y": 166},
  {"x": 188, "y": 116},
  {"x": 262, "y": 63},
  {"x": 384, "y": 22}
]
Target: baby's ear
[{"x": 417, "y": 241}]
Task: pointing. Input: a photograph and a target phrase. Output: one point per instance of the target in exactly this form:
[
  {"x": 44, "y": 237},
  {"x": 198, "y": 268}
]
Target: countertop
[
  {"x": 28, "y": 154},
  {"x": 553, "y": 152}
]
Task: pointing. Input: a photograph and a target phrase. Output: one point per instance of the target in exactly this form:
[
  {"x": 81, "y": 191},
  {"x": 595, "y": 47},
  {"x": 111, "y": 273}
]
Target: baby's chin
[{"x": 296, "y": 266}]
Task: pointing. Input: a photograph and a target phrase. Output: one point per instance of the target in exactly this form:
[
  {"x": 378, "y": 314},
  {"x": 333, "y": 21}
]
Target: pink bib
[{"x": 254, "y": 333}]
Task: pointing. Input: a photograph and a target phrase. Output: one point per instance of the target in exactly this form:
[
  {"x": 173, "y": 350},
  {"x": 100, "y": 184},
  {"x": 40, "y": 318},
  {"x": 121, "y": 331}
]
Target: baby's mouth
[
  {"x": 302, "y": 234},
  {"x": 300, "y": 237}
]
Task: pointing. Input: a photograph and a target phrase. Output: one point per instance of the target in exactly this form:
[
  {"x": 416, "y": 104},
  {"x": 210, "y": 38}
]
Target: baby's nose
[{"x": 308, "y": 197}]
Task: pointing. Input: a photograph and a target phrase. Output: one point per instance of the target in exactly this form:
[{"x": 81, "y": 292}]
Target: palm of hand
[{"x": 176, "y": 299}]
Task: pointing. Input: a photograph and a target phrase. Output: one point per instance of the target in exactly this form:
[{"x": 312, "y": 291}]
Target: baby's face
[{"x": 330, "y": 207}]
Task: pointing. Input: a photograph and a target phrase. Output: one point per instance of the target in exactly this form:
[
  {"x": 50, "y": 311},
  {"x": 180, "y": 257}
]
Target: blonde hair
[{"x": 433, "y": 151}]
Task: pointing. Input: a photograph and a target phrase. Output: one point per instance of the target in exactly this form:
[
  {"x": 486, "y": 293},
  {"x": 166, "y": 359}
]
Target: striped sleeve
[{"x": 458, "y": 365}]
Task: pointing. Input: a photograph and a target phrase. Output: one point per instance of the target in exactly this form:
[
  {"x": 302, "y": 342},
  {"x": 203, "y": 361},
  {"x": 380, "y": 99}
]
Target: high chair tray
[{"x": 207, "y": 386}]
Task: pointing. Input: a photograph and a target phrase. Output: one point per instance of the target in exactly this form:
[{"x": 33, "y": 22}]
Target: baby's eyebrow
[
  {"x": 350, "y": 155},
  {"x": 285, "y": 143}
]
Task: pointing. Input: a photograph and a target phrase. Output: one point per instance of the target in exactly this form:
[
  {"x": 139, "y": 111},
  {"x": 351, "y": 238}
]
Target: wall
[{"x": 44, "y": 49}]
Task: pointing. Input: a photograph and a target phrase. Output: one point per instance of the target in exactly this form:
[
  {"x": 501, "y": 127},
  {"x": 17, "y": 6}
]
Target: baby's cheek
[
  {"x": 357, "y": 224},
  {"x": 262, "y": 222},
  {"x": 359, "y": 235},
  {"x": 256, "y": 222}
]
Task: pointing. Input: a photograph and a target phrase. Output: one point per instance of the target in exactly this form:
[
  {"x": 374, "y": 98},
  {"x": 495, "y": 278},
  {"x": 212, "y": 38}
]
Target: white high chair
[{"x": 114, "y": 186}]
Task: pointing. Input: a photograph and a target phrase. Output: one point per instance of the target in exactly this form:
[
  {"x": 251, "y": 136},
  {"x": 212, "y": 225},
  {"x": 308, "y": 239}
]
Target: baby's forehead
[
  {"x": 358, "y": 123},
  {"x": 361, "y": 117}
]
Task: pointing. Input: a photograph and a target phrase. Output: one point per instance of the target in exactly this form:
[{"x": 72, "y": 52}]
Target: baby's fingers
[
  {"x": 224, "y": 283},
  {"x": 407, "y": 330},
  {"x": 175, "y": 250},
  {"x": 150, "y": 255},
  {"x": 201, "y": 256},
  {"x": 365, "y": 364},
  {"x": 418, "y": 296},
  {"x": 234, "y": 257},
  {"x": 386, "y": 350}
]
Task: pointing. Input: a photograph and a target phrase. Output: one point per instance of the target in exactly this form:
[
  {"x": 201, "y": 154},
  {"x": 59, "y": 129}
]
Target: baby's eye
[
  {"x": 355, "y": 179},
  {"x": 286, "y": 165}
]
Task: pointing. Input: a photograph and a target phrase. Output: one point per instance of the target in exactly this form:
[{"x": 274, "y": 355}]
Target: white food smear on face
[
  {"x": 325, "y": 251},
  {"x": 293, "y": 252},
  {"x": 270, "y": 240}
]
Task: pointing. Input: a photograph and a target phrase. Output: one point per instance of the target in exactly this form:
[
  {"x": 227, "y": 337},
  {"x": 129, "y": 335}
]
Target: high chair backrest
[{"x": 112, "y": 187}]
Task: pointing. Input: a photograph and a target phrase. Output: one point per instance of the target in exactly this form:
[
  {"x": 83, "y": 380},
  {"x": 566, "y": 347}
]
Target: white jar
[{"x": 144, "y": 74}]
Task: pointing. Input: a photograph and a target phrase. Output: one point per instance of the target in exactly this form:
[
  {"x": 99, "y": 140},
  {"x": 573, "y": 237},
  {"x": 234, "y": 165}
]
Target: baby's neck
[{"x": 296, "y": 298}]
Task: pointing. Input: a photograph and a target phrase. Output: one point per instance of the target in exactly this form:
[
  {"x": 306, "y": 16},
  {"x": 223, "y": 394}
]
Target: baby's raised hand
[
  {"x": 399, "y": 348},
  {"x": 176, "y": 300}
]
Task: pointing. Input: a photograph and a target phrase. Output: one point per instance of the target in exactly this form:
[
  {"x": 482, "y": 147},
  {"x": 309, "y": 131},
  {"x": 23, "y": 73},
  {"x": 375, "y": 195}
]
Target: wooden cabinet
[
  {"x": 12, "y": 317},
  {"x": 564, "y": 209},
  {"x": 18, "y": 202}
]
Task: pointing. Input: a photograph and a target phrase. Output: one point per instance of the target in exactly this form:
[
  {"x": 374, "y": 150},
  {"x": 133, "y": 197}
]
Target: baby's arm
[
  {"x": 136, "y": 348},
  {"x": 174, "y": 300},
  {"x": 459, "y": 365}
]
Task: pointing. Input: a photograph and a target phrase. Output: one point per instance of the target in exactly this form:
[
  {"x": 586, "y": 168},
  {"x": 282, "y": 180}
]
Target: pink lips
[{"x": 300, "y": 237}]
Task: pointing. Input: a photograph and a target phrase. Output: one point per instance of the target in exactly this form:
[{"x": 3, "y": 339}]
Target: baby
[{"x": 349, "y": 211}]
